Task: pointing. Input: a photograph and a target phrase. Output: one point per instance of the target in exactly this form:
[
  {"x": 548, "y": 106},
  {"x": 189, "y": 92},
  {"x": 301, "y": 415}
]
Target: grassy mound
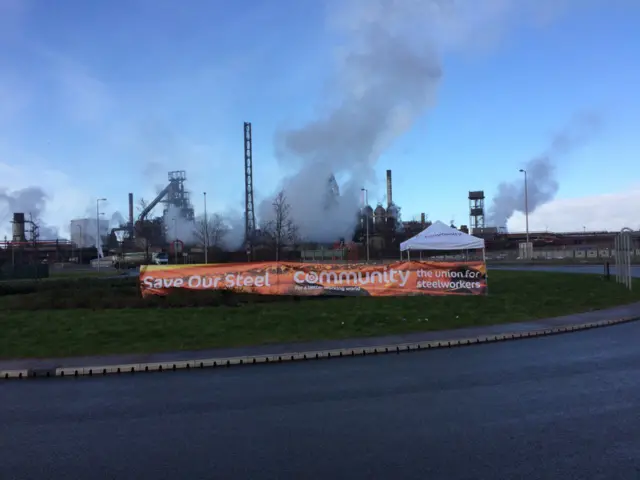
[{"x": 94, "y": 316}]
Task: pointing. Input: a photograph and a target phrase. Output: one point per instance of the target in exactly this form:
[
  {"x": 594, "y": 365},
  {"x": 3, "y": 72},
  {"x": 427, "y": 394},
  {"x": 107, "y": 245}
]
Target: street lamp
[
  {"x": 526, "y": 210},
  {"x": 366, "y": 215},
  {"x": 98, "y": 228},
  {"x": 206, "y": 231}
]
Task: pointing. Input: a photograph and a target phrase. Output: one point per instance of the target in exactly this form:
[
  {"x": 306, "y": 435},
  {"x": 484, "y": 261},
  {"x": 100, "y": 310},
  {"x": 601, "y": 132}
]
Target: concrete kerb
[{"x": 98, "y": 370}]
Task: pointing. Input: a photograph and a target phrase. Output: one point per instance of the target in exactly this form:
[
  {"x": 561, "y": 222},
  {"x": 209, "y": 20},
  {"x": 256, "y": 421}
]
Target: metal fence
[
  {"x": 578, "y": 255},
  {"x": 623, "y": 257}
]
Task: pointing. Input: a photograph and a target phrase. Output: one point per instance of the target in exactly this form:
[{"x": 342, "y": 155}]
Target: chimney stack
[
  {"x": 131, "y": 211},
  {"x": 389, "y": 191}
]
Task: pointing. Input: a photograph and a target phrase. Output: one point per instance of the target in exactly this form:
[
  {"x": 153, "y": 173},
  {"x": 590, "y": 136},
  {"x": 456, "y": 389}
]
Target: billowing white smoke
[
  {"x": 178, "y": 227},
  {"x": 542, "y": 183},
  {"x": 32, "y": 201},
  {"x": 386, "y": 78},
  {"x": 234, "y": 237}
]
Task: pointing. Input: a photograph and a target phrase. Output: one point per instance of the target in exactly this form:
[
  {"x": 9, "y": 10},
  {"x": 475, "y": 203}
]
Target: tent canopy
[{"x": 440, "y": 236}]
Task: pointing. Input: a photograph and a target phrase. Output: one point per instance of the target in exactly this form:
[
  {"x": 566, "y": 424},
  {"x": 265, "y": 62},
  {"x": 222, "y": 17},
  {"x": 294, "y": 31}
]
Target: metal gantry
[{"x": 476, "y": 211}]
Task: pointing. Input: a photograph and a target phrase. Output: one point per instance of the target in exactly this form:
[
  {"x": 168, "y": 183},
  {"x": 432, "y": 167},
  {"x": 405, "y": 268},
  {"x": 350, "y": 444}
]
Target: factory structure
[
  {"x": 96, "y": 237},
  {"x": 381, "y": 226}
]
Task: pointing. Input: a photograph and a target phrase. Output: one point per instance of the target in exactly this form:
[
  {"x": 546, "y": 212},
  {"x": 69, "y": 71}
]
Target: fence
[
  {"x": 578, "y": 255},
  {"x": 623, "y": 257}
]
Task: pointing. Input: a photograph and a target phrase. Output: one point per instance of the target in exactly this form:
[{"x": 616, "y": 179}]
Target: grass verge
[
  {"x": 239, "y": 321},
  {"x": 82, "y": 273}
]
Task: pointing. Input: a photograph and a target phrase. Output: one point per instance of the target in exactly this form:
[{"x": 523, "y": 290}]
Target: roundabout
[{"x": 94, "y": 326}]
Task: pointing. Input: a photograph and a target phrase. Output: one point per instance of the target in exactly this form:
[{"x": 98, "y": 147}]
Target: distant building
[{"x": 83, "y": 232}]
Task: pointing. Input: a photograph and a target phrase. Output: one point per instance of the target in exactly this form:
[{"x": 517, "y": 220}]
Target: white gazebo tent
[{"x": 440, "y": 236}]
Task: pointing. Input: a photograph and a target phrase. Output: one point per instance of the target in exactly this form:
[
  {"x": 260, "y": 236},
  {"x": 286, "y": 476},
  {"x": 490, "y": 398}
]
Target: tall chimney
[
  {"x": 389, "y": 192},
  {"x": 131, "y": 211}
]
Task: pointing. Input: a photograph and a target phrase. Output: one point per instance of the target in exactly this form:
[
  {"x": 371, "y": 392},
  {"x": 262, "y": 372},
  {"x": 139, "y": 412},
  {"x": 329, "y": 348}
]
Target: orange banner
[{"x": 305, "y": 279}]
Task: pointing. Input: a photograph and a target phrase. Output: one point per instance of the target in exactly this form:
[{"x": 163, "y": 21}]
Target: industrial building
[{"x": 381, "y": 224}]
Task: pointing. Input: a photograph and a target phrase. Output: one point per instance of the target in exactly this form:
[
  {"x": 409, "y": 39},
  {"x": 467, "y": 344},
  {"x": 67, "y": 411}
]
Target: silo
[
  {"x": 18, "y": 228},
  {"x": 379, "y": 215}
]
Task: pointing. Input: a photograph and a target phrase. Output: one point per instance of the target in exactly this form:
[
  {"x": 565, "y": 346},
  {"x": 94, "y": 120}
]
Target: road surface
[{"x": 563, "y": 407}]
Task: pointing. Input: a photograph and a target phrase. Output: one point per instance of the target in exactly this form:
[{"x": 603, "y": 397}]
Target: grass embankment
[
  {"x": 73, "y": 273},
  {"x": 93, "y": 316}
]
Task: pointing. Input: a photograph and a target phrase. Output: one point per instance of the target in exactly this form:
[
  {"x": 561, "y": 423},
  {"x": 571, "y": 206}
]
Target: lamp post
[
  {"x": 526, "y": 210},
  {"x": 98, "y": 228},
  {"x": 366, "y": 214},
  {"x": 206, "y": 231}
]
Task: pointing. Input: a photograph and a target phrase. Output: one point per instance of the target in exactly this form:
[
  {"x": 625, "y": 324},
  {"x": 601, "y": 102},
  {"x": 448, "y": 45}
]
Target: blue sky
[{"x": 99, "y": 99}]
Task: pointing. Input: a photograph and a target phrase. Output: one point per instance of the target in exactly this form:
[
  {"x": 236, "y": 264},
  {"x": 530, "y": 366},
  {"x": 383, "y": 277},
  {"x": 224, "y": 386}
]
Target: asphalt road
[{"x": 563, "y": 407}]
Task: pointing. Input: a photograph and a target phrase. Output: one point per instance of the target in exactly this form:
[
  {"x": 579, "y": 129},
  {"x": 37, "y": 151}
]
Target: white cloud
[{"x": 595, "y": 213}]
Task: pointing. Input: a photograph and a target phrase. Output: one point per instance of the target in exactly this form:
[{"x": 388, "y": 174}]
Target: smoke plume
[
  {"x": 117, "y": 220},
  {"x": 178, "y": 227},
  {"x": 386, "y": 78},
  {"x": 234, "y": 237},
  {"x": 542, "y": 184},
  {"x": 32, "y": 201}
]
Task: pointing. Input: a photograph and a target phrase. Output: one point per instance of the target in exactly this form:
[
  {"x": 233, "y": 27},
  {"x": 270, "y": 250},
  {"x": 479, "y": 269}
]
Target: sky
[{"x": 98, "y": 99}]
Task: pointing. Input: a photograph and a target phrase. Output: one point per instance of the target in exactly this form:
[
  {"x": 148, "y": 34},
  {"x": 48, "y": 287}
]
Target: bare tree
[
  {"x": 211, "y": 231},
  {"x": 142, "y": 205},
  {"x": 293, "y": 234},
  {"x": 281, "y": 229}
]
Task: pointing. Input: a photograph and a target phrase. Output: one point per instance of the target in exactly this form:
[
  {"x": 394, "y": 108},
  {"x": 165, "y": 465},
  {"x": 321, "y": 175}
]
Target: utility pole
[
  {"x": 98, "y": 229},
  {"x": 526, "y": 210},
  {"x": 206, "y": 231},
  {"x": 366, "y": 210}
]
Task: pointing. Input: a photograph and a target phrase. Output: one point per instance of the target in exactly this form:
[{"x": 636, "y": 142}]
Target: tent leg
[{"x": 484, "y": 260}]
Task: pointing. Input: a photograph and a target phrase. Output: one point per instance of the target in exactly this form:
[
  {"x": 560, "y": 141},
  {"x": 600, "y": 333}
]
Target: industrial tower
[
  {"x": 177, "y": 196},
  {"x": 476, "y": 210},
  {"x": 249, "y": 214}
]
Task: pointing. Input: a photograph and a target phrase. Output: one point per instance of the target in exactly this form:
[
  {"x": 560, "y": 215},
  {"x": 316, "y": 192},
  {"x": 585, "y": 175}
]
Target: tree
[
  {"x": 211, "y": 231},
  {"x": 281, "y": 229},
  {"x": 142, "y": 204}
]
